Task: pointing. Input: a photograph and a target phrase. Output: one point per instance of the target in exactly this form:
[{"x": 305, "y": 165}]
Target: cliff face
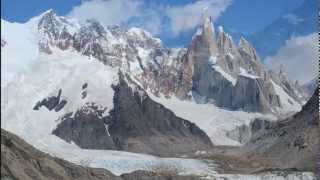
[
  {"x": 291, "y": 143},
  {"x": 136, "y": 123},
  {"x": 211, "y": 66}
]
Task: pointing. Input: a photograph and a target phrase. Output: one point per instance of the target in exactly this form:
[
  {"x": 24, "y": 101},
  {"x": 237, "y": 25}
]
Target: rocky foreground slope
[
  {"x": 290, "y": 143},
  {"x": 21, "y": 161}
]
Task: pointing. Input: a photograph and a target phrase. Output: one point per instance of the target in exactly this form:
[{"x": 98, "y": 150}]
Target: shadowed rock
[
  {"x": 136, "y": 123},
  {"x": 21, "y": 161},
  {"x": 290, "y": 143},
  {"x": 51, "y": 103}
]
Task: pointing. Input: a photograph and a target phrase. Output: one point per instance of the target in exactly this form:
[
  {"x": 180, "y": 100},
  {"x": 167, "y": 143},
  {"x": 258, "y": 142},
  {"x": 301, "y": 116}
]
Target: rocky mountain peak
[
  {"x": 94, "y": 27},
  {"x": 55, "y": 30},
  {"x": 207, "y": 20},
  {"x": 233, "y": 76},
  {"x": 207, "y": 36},
  {"x": 246, "y": 47},
  {"x": 225, "y": 42},
  {"x": 49, "y": 14},
  {"x": 142, "y": 38},
  {"x": 214, "y": 68},
  {"x": 51, "y": 23},
  {"x": 116, "y": 30}
]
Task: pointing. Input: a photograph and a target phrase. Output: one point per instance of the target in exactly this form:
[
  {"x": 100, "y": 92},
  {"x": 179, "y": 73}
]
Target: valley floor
[{"x": 129, "y": 165}]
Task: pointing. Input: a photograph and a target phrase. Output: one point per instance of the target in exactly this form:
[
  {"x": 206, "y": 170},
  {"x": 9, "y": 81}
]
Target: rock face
[
  {"x": 308, "y": 88},
  {"x": 136, "y": 123},
  {"x": 293, "y": 142},
  {"x": 87, "y": 128},
  {"x": 244, "y": 133},
  {"x": 211, "y": 70},
  {"x": 3, "y": 43},
  {"x": 260, "y": 97},
  {"x": 233, "y": 77},
  {"x": 55, "y": 31},
  {"x": 51, "y": 103}
]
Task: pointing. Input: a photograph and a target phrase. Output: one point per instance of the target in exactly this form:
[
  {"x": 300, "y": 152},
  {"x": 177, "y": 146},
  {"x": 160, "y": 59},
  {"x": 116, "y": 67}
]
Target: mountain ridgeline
[{"x": 212, "y": 69}]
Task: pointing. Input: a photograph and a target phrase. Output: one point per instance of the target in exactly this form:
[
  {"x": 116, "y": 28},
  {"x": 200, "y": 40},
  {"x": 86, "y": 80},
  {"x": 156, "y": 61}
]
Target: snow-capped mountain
[
  {"x": 85, "y": 85},
  {"x": 308, "y": 88},
  {"x": 178, "y": 71}
]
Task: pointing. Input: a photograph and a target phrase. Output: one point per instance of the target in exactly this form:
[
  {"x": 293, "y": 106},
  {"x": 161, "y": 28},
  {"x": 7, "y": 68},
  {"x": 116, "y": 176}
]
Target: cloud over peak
[
  {"x": 153, "y": 16},
  {"x": 298, "y": 58},
  {"x": 187, "y": 17}
]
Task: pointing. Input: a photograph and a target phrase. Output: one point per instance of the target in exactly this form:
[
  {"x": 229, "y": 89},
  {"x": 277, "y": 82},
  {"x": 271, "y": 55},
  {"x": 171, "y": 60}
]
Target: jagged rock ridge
[{"x": 212, "y": 68}]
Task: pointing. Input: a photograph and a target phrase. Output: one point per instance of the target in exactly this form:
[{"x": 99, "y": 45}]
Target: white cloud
[
  {"x": 187, "y": 17},
  {"x": 293, "y": 18},
  {"x": 298, "y": 58},
  {"x": 109, "y": 12},
  {"x": 141, "y": 14}
]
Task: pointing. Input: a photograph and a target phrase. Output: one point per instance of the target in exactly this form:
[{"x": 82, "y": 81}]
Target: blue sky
[{"x": 243, "y": 16}]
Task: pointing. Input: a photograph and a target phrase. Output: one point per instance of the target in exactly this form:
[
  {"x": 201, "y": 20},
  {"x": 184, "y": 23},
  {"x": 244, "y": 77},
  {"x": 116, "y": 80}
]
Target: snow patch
[
  {"x": 213, "y": 60},
  {"x": 225, "y": 74},
  {"x": 69, "y": 71},
  {"x": 20, "y": 50},
  {"x": 230, "y": 55},
  {"x": 288, "y": 103},
  {"x": 215, "y": 121},
  {"x": 107, "y": 128},
  {"x": 244, "y": 73}
]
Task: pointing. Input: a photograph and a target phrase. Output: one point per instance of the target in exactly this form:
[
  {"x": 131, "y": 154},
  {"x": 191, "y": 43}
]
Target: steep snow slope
[
  {"x": 288, "y": 104},
  {"x": 70, "y": 71},
  {"x": 20, "y": 48},
  {"x": 216, "y": 122},
  {"x": 43, "y": 75}
]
